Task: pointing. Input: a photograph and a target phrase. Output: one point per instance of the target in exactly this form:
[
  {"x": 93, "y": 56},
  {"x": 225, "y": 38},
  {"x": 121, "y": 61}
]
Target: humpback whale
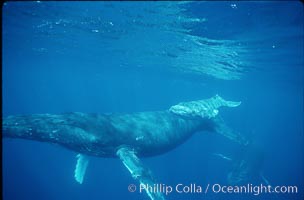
[{"x": 127, "y": 136}]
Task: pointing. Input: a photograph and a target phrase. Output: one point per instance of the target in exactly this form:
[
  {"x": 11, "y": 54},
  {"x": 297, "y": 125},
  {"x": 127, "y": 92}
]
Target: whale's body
[
  {"x": 127, "y": 136},
  {"x": 148, "y": 133}
]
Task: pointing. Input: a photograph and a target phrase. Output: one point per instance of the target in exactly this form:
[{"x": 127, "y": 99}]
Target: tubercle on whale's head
[{"x": 218, "y": 98}]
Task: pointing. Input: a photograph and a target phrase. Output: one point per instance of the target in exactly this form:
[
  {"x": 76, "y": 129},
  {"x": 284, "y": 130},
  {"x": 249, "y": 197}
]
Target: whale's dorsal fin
[
  {"x": 81, "y": 167},
  {"x": 138, "y": 171}
]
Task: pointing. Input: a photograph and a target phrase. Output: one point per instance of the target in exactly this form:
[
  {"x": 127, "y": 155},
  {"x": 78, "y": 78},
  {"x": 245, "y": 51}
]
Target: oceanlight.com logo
[
  {"x": 254, "y": 189},
  {"x": 194, "y": 188}
]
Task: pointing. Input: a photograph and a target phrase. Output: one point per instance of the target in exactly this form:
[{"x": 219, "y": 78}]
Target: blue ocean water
[{"x": 104, "y": 57}]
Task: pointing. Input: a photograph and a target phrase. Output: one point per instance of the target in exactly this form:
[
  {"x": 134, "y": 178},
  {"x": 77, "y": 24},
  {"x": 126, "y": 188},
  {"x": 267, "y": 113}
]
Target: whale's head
[
  {"x": 206, "y": 108},
  {"x": 193, "y": 109}
]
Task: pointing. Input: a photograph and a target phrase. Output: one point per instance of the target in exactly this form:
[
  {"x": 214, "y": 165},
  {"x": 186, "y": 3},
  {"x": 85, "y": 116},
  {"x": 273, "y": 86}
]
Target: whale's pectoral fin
[
  {"x": 232, "y": 103},
  {"x": 221, "y": 128},
  {"x": 265, "y": 179},
  {"x": 138, "y": 171},
  {"x": 81, "y": 167},
  {"x": 222, "y": 102}
]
